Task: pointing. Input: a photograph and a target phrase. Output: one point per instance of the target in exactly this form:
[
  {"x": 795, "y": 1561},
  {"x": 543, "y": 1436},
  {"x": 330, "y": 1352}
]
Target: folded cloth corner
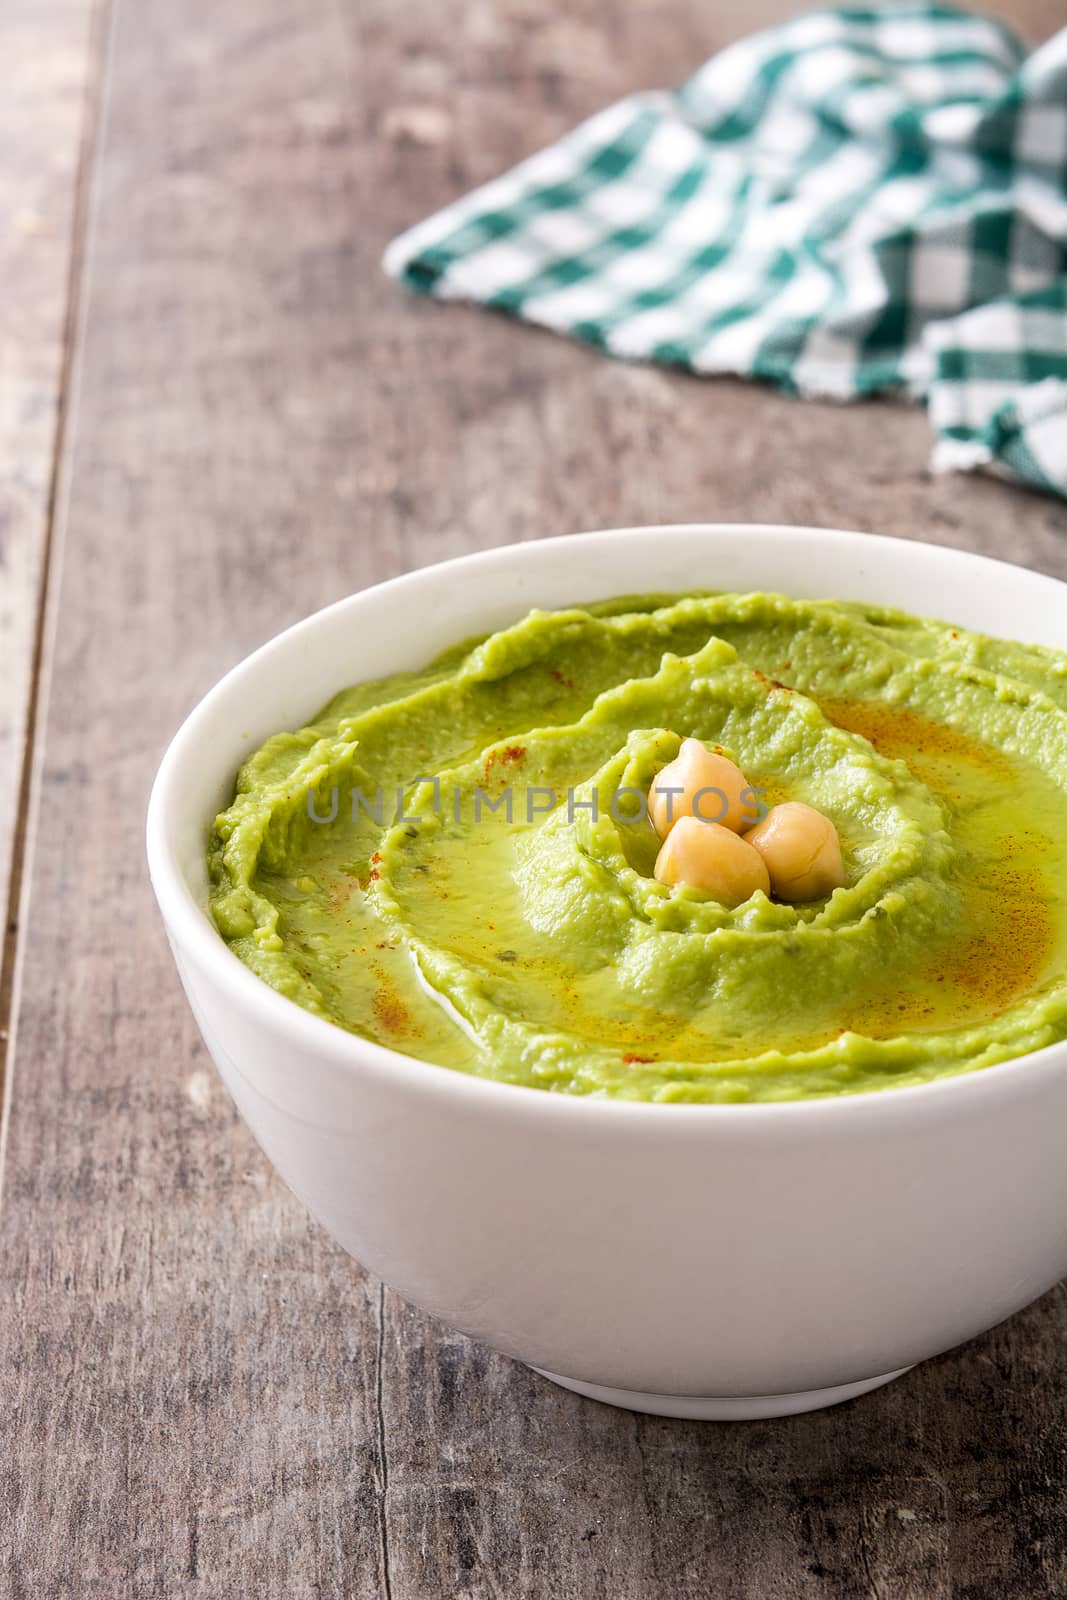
[{"x": 998, "y": 388}]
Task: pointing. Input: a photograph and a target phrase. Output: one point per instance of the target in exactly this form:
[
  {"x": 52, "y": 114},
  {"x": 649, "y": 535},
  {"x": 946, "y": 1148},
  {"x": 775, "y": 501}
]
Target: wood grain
[
  {"x": 203, "y": 1397},
  {"x": 48, "y": 60}
]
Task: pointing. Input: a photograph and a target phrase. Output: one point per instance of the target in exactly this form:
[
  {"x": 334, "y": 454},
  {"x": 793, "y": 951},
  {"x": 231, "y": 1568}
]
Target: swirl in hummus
[{"x": 538, "y": 948}]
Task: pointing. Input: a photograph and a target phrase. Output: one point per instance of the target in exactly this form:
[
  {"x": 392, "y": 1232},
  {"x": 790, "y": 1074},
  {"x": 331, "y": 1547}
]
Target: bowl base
[{"x": 727, "y": 1408}]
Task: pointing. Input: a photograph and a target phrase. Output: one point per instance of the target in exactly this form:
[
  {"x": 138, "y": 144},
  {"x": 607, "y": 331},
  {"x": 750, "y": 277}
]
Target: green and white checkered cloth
[{"x": 862, "y": 200}]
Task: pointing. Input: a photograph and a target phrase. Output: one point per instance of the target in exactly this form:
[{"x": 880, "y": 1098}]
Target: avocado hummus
[{"x": 458, "y": 862}]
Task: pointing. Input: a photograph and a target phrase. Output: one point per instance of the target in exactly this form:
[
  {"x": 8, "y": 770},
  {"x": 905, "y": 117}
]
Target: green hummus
[{"x": 538, "y": 949}]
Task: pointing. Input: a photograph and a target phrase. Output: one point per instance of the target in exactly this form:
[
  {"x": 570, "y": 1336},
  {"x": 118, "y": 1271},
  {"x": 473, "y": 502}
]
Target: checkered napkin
[{"x": 862, "y": 200}]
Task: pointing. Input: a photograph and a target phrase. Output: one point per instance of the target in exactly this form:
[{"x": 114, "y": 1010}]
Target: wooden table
[{"x": 215, "y": 416}]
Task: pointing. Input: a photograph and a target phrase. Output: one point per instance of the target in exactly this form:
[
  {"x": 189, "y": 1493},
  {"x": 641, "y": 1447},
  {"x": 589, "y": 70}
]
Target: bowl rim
[{"x": 191, "y": 930}]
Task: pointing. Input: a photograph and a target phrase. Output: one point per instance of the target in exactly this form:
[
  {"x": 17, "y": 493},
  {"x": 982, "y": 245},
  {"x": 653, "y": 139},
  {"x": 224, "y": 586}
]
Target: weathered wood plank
[
  {"x": 47, "y": 55},
  {"x": 204, "y": 1397}
]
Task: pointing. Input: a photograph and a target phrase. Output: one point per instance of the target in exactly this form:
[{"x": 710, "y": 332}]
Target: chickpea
[
  {"x": 700, "y": 783},
  {"x": 802, "y": 852},
  {"x": 710, "y": 857}
]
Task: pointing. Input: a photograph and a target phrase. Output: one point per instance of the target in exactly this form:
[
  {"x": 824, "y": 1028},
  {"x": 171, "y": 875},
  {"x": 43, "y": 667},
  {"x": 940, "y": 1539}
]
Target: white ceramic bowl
[{"x": 709, "y": 1261}]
